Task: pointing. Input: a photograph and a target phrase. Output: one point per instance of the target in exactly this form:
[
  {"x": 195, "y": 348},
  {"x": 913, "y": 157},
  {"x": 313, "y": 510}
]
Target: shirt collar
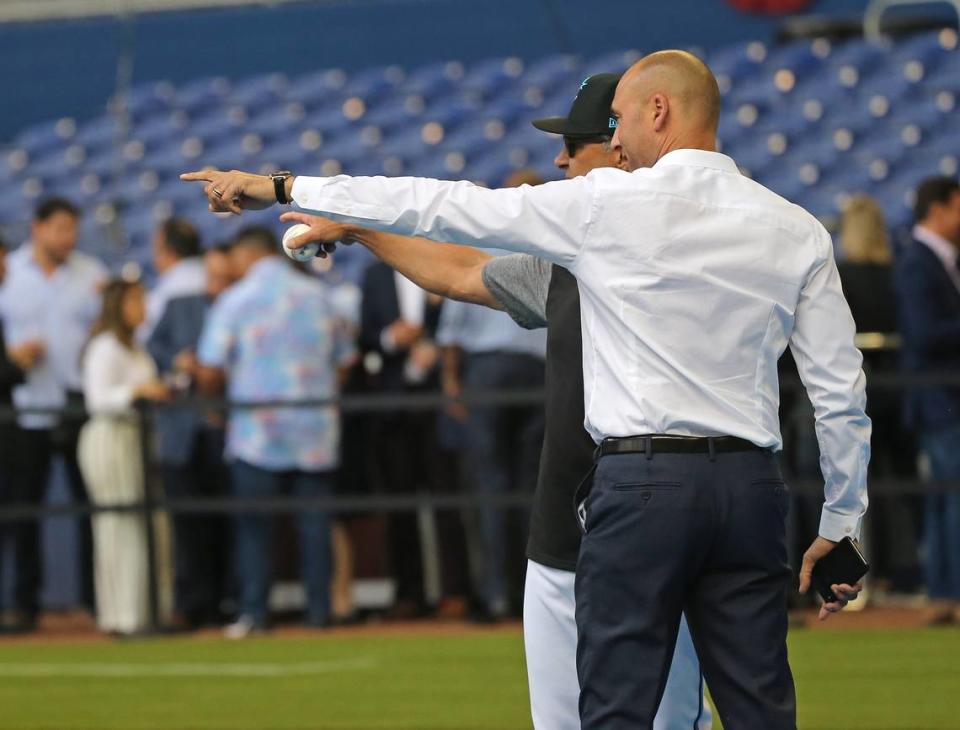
[
  {"x": 25, "y": 255},
  {"x": 944, "y": 250},
  {"x": 182, "y": 268},
  {"x": 699, "y": 158}
]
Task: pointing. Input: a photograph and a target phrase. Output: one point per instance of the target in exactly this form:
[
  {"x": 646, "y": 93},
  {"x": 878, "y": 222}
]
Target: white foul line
[{"x": 181, "y": 669}]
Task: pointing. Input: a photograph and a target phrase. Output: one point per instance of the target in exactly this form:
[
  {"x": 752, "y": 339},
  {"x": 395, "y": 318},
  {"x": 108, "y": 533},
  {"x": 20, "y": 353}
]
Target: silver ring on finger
[{"x": 218, "y": 193}]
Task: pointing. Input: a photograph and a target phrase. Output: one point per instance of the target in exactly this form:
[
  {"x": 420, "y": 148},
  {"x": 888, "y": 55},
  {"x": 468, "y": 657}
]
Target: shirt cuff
[
  {"x": 301, "y": 188},
  {"x": 342, "y": 198},
  {"x": 835, "y": 526}
]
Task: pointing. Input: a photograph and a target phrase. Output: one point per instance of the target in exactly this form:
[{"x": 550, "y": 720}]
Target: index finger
[
  {"x": 297, "y": 217},
  {"x": 200, "y": 176}
]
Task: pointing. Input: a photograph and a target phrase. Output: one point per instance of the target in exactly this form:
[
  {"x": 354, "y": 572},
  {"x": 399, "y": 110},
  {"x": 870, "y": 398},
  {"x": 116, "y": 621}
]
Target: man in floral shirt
[{"x": 272, "y": 337}]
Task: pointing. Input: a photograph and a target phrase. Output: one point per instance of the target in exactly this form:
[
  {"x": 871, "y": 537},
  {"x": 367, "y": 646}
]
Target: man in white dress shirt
[
  {"x": 48, "y": 302},
  {"x": 693, "y": 281}
]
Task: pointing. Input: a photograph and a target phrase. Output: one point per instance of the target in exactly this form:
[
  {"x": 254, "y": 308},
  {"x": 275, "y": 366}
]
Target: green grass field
[{"x": 846, "y": 681}]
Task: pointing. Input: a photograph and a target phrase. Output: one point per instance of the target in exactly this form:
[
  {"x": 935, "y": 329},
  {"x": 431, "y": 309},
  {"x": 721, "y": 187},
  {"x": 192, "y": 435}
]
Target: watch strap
[{"x": 279, "y": 186}]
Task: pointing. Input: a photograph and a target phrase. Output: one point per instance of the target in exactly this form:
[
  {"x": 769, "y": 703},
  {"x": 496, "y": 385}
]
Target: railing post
[{"x": 148, "y": 510}]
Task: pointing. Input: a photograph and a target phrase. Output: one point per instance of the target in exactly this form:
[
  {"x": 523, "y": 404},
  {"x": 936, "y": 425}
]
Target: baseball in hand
[{"x": 299, "y": 254}]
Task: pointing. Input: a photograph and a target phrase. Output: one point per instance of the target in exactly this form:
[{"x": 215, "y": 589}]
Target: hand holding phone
[{"x": 834, "y": 570}]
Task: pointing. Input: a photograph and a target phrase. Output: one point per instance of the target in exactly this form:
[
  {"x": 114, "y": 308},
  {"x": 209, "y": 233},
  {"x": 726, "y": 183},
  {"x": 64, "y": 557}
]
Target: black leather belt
[{"x": 675, "y": 445}]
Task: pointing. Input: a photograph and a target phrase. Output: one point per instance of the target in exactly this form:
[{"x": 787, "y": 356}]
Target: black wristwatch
[{"x": 279, "y": 185}]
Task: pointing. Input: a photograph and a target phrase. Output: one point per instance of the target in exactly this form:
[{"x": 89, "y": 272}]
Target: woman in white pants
[{"x": 117, "y": 371}]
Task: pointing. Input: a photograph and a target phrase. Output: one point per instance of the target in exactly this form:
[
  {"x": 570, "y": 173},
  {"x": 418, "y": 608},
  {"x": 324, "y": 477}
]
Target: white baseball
[{"x": 299, "y": 254}]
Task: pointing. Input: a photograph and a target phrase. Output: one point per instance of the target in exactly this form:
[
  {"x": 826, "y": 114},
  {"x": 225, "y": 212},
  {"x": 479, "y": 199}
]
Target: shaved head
[{"x": 668, "y": 100}]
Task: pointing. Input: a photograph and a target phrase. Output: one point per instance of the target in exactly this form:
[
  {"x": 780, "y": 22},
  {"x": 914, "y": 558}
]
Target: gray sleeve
[{"x": 520, "y": 283}]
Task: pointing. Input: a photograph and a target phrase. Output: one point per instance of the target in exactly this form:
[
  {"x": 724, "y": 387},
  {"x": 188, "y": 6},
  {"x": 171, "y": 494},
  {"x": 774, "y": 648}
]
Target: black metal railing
[{"x": 155, "y": 502}]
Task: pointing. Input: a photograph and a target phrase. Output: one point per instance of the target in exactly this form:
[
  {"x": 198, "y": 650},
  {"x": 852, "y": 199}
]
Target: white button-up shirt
[
  {"x": 112, "y": 372},
  {"x": 58, "y": 309},
  {"x": 693, "y": 281}
]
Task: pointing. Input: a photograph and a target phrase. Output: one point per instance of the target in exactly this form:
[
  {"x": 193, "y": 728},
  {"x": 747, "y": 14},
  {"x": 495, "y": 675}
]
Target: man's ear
[{"x": 661, "y": 110}]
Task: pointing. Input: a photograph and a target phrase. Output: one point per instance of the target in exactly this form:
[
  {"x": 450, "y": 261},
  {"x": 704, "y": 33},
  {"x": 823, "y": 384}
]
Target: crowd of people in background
[{"x": 238, "y": 321}]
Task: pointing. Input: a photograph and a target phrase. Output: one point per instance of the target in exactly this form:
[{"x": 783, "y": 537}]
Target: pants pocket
[
  {"x": 775, "y": 489},
  {"x": 646, "y": 486},
  {"x": 580, "y": 498}
]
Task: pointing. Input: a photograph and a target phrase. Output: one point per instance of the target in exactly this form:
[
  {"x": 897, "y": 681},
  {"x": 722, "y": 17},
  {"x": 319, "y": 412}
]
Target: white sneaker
[{"x": 241, "y": 628}]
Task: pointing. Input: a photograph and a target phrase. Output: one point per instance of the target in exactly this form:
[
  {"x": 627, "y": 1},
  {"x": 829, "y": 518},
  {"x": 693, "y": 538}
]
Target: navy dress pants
[{"x": 673, "y": 533}]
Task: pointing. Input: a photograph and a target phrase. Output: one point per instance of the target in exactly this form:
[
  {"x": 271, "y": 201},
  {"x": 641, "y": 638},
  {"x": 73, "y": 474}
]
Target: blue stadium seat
[
  {"x": 409, "y": 143},
  {"x": 892, "y": 85},
  {"x": 318, "y": 88},
  {"x": 735, "y": 64},
  {"x": 41, "y": 138},
  {"x": 553, "y": 72},
  {"x": 82, "y": 189},
  {"x": 930, "y": 49},
  {"x": 896, "y": 201},
  {"x": 97, "y": 134},
  {"x": 476, "y": 135},
  {"x": 14, "y": 205},
  {"x": 857, "y": 54},
  {"x": 146, "y": 100},
  {"x": 513, "y": 109},
  {"x": 395, "y": 112},
  {"x": 199, "y": 96},
  {"x": 452, "y": 112},
  {"x": 613, "y": 62},
  {"x": 434, "y": 80},
  {"x": 945, "y": 78},
  {"x": 54, "y": 166},
  {"x": 936, "y": 160},
  {"x": 489, "y": 78},
  {"x": 537, "y": 142},
  {"x": 289, "y": 154},
  {"x": 175, "y": 157},
  {"x": 281, "y": 122},
  {"x": 330, "y": 120},
  {"x": 374, "y": 84},
  {"x": 161, "y": 126},
  {"x": 104, "y": 162},
  {"x": 263, "y": 91},
  {"x": 237, "y": 152},
  {"x": 801, "y": 59},
  {"x": 220, "y": 123},
  {"x": 555, "y": 105}
]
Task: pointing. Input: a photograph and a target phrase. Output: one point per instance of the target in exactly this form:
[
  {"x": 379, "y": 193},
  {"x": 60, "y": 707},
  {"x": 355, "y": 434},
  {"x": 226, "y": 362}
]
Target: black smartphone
[{"x": 844, "y": 564}]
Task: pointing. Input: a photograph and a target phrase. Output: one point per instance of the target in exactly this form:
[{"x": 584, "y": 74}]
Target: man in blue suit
[
  {"x": 190, "y": 451},
  {"x": 928, "y": 286}
]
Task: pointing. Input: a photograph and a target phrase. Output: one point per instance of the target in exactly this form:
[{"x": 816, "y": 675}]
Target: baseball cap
[{"x": 590, "y": 112}]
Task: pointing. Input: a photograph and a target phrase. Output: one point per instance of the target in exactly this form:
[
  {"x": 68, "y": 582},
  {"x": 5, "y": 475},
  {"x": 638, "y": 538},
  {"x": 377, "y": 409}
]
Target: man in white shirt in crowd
[
  {"x": 178, "y": 260},
  {"x": 694, "y": 280},
  {"x": 49, "y": 301}
]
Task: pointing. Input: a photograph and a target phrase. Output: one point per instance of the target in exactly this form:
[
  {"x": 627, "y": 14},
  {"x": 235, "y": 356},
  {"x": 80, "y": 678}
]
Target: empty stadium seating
[{"x": 812, "y": 120}]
